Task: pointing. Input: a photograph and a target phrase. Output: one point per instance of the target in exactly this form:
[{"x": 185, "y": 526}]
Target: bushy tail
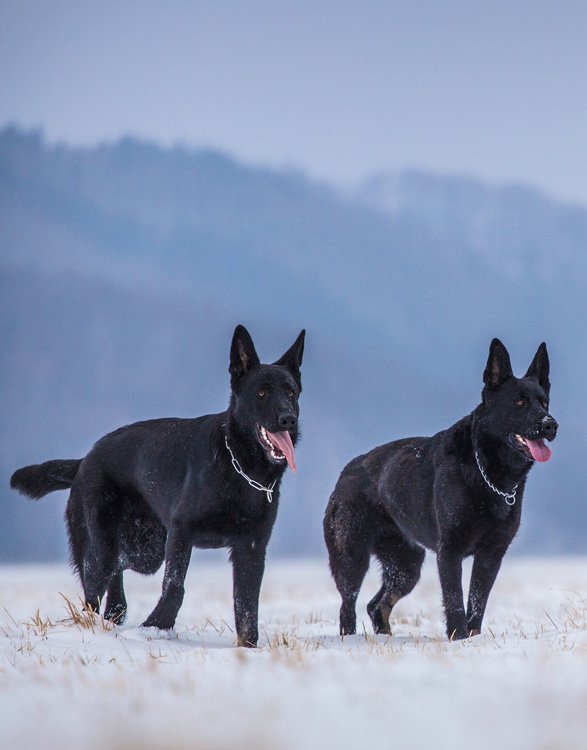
[{"x": 40, "y": 479}]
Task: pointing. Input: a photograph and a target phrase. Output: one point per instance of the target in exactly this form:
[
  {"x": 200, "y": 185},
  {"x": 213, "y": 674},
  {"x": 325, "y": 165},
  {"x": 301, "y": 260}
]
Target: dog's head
[
  {"x": 265, "y": 397},
  {"x": 515, "y": 410}
]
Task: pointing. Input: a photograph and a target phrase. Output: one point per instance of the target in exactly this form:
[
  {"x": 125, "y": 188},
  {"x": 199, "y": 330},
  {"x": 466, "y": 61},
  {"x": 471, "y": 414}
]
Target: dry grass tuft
[
  {"x": 39, "y": 626},
  {"x": 84, "y": 617}
]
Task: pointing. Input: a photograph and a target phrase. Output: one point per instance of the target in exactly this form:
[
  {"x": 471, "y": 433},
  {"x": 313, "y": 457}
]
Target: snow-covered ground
[{"x": 523, "y": 684}]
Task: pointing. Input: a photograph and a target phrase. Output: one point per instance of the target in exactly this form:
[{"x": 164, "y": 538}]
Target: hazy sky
[{"x": 341, "y": 89}]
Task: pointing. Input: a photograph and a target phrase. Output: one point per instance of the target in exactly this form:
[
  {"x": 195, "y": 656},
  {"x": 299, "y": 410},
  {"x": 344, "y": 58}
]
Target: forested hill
[{"x": 125, "y": 268}]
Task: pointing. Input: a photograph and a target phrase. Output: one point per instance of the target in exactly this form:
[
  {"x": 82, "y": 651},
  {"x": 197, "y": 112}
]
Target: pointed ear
[
  {"x": 499, "y": 367},
  {"x": 540, "y": 368},
  {"x": 292, "y": 359},
  {"x": 242, "y": 354}
]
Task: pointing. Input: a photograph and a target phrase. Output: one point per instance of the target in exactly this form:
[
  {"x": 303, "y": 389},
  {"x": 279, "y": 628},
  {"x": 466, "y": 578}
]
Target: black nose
[
  {"x": 549, "y": 427},
  {"x": 287, "y": 420}
]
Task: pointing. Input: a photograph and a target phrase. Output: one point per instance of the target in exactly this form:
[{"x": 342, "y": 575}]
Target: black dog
[
  {"x": 458, "y": 493},
  {"x": 152, "y": 490}
]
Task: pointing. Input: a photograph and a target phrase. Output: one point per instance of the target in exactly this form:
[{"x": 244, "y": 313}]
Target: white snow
[{"x": 522, "y": 684}]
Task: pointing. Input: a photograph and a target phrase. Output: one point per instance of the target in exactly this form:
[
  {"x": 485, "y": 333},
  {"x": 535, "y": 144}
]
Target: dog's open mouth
[
  {"x": 536, "y": 450},
  {"x": 278, "y": 446}
]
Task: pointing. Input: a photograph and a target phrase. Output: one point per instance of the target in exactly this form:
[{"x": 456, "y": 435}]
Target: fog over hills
[{"x": 125, "y": 268}]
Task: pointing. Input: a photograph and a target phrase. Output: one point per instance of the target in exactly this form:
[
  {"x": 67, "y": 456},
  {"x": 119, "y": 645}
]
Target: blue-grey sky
[{"x": 496, "y": 89}]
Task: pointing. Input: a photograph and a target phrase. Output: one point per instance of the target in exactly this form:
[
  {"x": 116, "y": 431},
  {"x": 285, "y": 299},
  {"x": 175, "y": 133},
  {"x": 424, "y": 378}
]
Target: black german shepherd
[
  {"x": 458, "y": 493},
  {"x": 150, "y": 491}
]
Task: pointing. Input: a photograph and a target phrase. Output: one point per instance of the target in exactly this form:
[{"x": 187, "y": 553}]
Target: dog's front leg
[
  {"x": 450, "y": 570},
  {"x": 485, "y": 569},
  {"x": 248, "y": 565},
  {"x": 177, "y": 558}
]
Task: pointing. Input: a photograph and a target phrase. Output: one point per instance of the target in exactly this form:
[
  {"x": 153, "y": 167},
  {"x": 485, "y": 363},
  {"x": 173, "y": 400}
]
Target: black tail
[{"x": 40, "y": 479}]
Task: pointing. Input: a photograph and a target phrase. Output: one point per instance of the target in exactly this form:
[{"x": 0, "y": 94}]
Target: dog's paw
[
  {"x": 457, "y": 634},
  {"x": 158, "y": 622},
  {"x": 379, "y": 619},
  {"x": 243, "y": 642},
  {"x": 461, "y": 635},
  {"x": 116, "y": 614}
]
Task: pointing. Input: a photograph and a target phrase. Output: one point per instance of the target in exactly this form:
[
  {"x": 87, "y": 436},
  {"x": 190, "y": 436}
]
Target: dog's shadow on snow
[
  {"x": 183, "y": 639},
  {"x": 364, "y": 641},
  {"x": 186, "y": 640}
]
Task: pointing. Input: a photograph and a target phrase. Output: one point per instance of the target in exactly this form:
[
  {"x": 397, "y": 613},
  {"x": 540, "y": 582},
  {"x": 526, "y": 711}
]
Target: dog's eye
[
  {"x": 521, "y": 402},
  {"x": 545, "y": 404},
  {"x": 291, "y": 394},
  {"x": 261, "y": 393}
]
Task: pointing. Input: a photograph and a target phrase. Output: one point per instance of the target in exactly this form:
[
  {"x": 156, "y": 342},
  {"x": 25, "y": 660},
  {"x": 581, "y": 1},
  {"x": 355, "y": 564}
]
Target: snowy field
[{"x": 68, "y": 682}]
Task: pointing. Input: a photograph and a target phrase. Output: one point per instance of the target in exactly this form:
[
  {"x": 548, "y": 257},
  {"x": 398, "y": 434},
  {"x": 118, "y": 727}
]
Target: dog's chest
[
  {"x": 228, "y": 512},
  {"x": 248, "y": 505},
  {"x": 482, "y": 521}
]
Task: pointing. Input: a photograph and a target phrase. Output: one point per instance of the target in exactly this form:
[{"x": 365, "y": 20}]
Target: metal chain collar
[
  {"x": 253, "y": 483},
  {"x": 507, "y": 496}
]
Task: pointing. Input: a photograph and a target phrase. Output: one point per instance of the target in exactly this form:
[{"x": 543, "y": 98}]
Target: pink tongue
[
  {"x": 283, "y": 441},
  {"x": 539, "y": 450}
]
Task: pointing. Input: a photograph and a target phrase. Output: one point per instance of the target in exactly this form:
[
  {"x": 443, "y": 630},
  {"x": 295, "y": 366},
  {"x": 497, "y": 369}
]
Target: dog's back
[{"x": 393, "y": 481}]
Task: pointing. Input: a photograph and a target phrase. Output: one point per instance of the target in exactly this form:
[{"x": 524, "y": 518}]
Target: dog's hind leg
[
  {"x": 401, "y": 564},
  {"x": 178, "y": 551},
  {"x": 116, "y": 601},
  {"x": 101, "y": 513},
  {"x": 85, "y": 545},
  {"x": 349, "y": 573},
  {"x": 76, "y": 530},
  {"x": 348, "y": 552},
  {"x": 98, "y": 569}
]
